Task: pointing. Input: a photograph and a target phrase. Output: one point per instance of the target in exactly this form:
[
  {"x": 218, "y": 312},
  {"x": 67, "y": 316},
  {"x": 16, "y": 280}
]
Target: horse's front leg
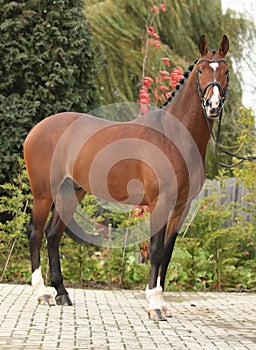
[
  {"x": 173, "y": 225},
  {"x": 168, "y": 249},
  {"x": 154, "y": 292}
]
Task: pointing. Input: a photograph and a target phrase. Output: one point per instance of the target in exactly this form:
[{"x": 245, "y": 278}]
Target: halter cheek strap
[{"x": 223, "y": 91}]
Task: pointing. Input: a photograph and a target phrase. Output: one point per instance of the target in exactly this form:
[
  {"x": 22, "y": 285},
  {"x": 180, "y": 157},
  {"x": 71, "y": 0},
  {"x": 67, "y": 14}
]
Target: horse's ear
[
  {"x": 202, "y": 45},
  {"x": 224, "y": 45}
]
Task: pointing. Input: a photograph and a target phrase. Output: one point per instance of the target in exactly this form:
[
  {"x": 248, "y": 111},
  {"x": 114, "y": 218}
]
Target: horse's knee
[{"x": 35, "y": 237}]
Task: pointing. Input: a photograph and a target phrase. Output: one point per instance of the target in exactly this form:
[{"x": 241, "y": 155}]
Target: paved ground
[{"x": 116, "y": 320}]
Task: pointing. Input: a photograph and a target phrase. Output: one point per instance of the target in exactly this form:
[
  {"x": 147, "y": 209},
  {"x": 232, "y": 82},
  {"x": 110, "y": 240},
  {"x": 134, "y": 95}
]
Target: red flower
[
  {"x": 144, "y": 96},
  {"x": 144, "y": 100},
  {"x": 166, "y": 61},
  {"x": 163, "y": 88},
  {"x": 163, "y": 7},
  {"x": 154, "y": 9},
  {"x": 147, "y": 81},
  {"x": 151, "y": 31},
  {"x": 176, "y": 75},
  {"x": 155, "y": 36},
  {"x": 157, "y": 97},
  {"x": 164, "y": 72},
  {"x": 165, "y": 77},
  {"x": 140, "y": 211}
]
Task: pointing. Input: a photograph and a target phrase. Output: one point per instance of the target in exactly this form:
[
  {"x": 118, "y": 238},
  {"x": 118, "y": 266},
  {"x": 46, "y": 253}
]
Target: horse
[{"x": 157, "y": 160}]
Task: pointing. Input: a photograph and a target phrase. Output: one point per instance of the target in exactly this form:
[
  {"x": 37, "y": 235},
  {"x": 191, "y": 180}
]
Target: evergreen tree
[{"x": 46, "y": 66}]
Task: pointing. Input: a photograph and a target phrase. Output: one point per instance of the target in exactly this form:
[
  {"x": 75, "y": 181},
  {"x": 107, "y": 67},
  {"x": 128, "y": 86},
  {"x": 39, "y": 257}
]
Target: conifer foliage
[{"x": 46, "y": 66}]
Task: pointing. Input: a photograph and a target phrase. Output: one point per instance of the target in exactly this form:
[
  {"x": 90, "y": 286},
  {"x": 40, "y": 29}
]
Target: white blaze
[
  {"x": 214, "y": 65},
  {"x": 215, "y": 97}
]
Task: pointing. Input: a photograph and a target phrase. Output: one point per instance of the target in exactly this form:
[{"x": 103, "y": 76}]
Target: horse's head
[{"x": 212, "y": 76}]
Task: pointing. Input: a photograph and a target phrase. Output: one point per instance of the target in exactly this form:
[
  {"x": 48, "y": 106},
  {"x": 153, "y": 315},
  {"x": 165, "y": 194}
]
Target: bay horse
[{"x": 156, "y": 160}]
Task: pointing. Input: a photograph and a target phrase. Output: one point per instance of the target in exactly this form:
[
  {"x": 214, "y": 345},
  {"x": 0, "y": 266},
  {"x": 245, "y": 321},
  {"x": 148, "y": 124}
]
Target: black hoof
[{"x": 63, "y": 299}]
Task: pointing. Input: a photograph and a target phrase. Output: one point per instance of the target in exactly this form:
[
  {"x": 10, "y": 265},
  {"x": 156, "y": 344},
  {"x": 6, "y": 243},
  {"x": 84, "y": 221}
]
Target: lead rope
[{"x": 215, "y": 140}]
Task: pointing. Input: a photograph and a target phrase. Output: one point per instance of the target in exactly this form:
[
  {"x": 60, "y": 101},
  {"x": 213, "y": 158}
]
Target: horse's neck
[{"x": 186, "y": 107}]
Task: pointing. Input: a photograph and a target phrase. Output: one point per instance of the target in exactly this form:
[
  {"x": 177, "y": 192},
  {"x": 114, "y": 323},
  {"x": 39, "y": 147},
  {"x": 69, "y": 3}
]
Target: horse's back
[{"x": 50, "y": 126}]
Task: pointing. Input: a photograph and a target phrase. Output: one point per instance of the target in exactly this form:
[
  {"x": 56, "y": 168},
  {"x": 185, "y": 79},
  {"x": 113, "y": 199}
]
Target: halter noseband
[{"x": 223, "y": 92}]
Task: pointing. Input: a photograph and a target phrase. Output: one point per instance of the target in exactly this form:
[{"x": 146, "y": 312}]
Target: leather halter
[{"x": 223, "y": 91}]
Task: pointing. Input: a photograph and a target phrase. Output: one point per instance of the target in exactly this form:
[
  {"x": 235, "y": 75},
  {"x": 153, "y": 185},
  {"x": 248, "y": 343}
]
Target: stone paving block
[{"x": 117, "y": 320}]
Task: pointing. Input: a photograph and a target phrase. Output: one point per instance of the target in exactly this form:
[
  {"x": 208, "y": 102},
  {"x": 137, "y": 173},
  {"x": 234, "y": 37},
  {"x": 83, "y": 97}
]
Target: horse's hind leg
[
  {"x": 41, "y": 208},
  {"x": 65, "y": 205}
]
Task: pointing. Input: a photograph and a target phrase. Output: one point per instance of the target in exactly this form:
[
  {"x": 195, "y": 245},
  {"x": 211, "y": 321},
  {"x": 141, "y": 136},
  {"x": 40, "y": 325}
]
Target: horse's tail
[
  {"x": 75, "y": 232},
  {"x": 67, "y": 191}
]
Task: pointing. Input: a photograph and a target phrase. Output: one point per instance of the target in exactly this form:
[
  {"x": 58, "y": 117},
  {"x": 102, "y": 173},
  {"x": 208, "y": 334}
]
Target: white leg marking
[
  {"x": 38, "y": 282},
  {"x": 155, "y": 297}
]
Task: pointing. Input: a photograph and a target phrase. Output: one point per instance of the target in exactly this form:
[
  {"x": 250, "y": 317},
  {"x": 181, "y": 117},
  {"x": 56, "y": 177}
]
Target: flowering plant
[{"x": 156, "y": 90}]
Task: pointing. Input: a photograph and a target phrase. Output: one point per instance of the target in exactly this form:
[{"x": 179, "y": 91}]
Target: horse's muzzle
[{"x": 213, "y": 109}]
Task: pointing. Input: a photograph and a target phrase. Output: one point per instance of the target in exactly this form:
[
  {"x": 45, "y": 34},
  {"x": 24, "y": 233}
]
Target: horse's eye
[
  {"x": 227, "y": 72},
  {"x": 200, "y": 71}
]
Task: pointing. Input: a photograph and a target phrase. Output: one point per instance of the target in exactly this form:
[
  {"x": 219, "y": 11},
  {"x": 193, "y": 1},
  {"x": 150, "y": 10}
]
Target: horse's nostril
[
  {"x": 212, "y": 104},
  {"x": 208, "y": 103}
]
